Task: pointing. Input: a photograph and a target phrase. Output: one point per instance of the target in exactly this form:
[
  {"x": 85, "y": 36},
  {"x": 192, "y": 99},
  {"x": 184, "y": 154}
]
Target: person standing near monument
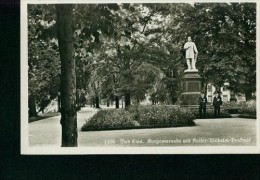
[
  {"x": 217, "y": 101},
  {"x": 202, "y": 105},
  {"x": 191, "y": 54}
]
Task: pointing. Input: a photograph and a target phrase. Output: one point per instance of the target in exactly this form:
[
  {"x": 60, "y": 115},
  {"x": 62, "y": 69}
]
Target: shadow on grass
[{"x": 43, "y": 116}]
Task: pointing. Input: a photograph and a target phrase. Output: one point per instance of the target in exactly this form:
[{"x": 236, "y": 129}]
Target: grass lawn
[{"x": 43, "y": 116}]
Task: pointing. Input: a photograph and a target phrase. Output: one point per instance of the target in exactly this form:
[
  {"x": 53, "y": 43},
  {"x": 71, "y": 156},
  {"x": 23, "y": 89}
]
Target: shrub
[
  {"x": 140, "y": 116},
  {"x": 232, "y": 107},
  {"x": 247, "y": 116},
  {"x": 210, "y": 114},
  {"x": 249, "y": 108},
  {"x": 110, "y": 119},
  {"x": 161, "y": 115}
]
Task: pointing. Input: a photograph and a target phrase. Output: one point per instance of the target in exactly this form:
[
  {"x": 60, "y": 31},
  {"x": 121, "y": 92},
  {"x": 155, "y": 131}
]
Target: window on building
[
  {"x": 225, "y": 98},
  {"x": 209, "y": 88},
  {"x": 209, "y": 98}
]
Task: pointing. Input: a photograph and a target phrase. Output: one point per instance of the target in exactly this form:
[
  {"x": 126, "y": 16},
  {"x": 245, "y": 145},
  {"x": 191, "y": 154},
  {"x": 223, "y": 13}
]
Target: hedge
[
  {"x": 210, "y": 114},
  {"x": 110, "y": 119},
  {"x": 162, "y": 115},
  {"x": 140, "y": 117},
  {"x": 248, "y": 107}
]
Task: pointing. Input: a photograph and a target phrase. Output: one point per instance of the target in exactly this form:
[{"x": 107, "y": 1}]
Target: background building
[{"x": 226, "y": 94}]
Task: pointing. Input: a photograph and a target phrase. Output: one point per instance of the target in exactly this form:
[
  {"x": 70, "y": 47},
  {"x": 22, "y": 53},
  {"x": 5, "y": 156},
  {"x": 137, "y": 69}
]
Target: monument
[{"x": 191, "y": 79}]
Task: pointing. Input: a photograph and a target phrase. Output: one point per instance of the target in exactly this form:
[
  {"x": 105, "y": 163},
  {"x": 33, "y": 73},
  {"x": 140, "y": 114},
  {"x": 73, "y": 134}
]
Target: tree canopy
[{"x": 133, "y": 50}]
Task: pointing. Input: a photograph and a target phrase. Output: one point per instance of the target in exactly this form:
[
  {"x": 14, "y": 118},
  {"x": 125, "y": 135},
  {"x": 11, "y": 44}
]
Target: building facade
[{"x": 226, "y": 94}]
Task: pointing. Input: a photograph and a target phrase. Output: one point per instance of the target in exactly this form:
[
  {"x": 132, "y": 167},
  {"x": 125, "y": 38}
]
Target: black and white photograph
[{"x": 140, "y": 77}]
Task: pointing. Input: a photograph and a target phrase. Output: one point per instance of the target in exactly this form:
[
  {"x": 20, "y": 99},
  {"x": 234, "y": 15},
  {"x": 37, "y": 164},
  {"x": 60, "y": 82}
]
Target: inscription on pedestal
[{"x": 193, "y": 87}]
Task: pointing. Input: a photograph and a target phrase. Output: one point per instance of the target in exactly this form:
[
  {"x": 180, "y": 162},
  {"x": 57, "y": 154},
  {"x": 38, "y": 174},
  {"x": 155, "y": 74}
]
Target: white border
[
  {"x": 24, "y": 78},
  {"x": 26, "y": 149}
]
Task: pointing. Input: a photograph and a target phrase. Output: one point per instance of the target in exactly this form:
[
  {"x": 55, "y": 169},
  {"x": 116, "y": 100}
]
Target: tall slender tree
[{"x": 68, "y": 75}]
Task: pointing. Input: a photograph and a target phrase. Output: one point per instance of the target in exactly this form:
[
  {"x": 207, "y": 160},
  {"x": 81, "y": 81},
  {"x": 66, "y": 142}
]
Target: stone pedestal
[{"x": 191, "y": 87}]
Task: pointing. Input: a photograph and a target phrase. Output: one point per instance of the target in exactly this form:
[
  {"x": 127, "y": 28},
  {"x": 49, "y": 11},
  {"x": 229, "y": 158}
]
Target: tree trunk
[
  {"x": 92, "y": 102},
  {"x": 217, "y": 88},
  {"x": 108, "y": 102},
  {"x": 248, "y": 95},
  {"x": 32, "y": 106},
  {"x": 97, "y": 102},
  {"x": 68, "y": 76},
  {"x": 206, "y": 89},
  {"x": 59, "y": 103},
  {"x": 127, "y": 99},
  {"x": 117, "y": 102},
  {"x": 138, "y": 100},
  {"x": 173, "y": 99}
]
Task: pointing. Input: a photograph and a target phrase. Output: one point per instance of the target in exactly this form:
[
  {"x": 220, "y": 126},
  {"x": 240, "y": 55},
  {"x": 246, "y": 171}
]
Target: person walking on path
[
  {"x": 202, "y": 105},
  {"x": 217, "y": 101}
]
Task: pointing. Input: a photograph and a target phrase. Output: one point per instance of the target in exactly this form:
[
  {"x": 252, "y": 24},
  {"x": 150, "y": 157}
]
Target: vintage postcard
[{"x": 139, "y": 77}]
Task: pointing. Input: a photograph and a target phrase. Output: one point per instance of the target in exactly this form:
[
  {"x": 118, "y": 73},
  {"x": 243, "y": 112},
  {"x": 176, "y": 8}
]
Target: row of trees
[{"x": 128, "y": 51}]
